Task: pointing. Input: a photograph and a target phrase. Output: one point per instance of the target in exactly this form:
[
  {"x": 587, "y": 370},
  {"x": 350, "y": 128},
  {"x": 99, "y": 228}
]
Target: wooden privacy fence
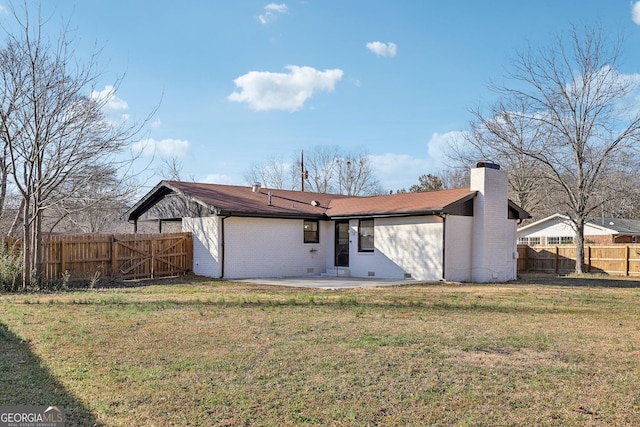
[
  {"x": 610, "y": 259},
  {"x": 117, "y": 256}
]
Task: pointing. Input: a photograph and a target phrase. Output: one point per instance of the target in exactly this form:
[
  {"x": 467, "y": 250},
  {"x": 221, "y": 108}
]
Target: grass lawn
[{"x": 542, "y": 351}]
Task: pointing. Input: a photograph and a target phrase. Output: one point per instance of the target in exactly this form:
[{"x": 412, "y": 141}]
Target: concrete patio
[{"x": 327, "y": 282}]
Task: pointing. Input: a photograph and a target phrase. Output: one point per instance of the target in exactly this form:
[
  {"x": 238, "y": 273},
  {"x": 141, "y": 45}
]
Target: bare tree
[
  {"x": 326, "y": 169},
  {"x": 57, "y": 138},
  {"x": 320, "y": 168},
  {"x": 455, "y": 178},
  {"x": 5, "y": 164},
  {"x": 97, "y": 207},
  {"x": 528, "y": 185},
  {"x": 356, "y": 176},
  {"x": 172, "y": 170},
  {"x": 275, "y": 173},
  {"x": 570, "y": 113}
]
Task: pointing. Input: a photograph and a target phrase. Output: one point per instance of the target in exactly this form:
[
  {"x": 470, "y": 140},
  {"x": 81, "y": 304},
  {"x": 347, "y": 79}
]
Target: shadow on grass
[
  {"x": 585, "y": 280},
  {"x": 26, "y": 381}
]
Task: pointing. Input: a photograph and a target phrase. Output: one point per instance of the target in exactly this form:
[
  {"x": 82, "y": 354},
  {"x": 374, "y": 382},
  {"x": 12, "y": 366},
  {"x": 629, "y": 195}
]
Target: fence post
[
  {"x": 153, "y": 256},
  {"x": 589, "y": 259},
  {"x": 114, "y": 256},
  {"x": 63, "y": 257},
  {"x": 557, "y": 259},
  {"x": 626, "y": 259}
]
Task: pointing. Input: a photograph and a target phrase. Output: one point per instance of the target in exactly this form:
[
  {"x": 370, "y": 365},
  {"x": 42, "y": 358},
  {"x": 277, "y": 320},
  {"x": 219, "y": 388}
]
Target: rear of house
[{"x": 464, "y": 234}]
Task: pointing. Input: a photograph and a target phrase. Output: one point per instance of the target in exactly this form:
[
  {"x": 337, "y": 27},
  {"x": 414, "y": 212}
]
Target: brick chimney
[{"x": 493, "y": 249}]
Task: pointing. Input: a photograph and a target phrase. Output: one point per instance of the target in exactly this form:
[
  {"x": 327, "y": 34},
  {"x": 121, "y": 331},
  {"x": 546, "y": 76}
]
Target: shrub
[{"x": 10, "y": 268}]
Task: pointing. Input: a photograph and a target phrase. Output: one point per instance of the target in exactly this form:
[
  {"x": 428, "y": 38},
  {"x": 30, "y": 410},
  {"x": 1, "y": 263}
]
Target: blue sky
[{"x": 244, "y": 81}]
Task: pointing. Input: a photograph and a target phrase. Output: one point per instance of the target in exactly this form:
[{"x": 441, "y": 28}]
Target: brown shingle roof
[
  {"x": 399, "y": 204},
  {"x": 242, "y": 200},
  {"x": 237, "y": 200}
]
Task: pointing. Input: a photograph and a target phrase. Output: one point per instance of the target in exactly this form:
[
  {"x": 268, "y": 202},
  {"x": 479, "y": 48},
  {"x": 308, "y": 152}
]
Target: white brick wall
[
  {"x": 493, "y": 234},
  {"x": 411, "y": 245},
  {"x": 206, "y": 247},
  {"x": 458, "y": 248},
  {"x": 263, "y": 247}
]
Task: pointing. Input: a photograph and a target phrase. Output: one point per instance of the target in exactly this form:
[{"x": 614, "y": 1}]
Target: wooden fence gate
[{"x": 117, "y": 256}]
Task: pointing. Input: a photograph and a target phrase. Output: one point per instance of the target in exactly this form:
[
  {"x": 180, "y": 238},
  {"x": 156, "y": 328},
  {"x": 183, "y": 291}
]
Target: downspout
[
  {"x": 444, "y": 240},
  {"x": 222, "y": 246}
]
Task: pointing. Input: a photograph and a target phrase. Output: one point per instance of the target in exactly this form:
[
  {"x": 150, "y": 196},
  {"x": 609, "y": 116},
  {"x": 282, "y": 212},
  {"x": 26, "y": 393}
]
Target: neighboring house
[
  {"x": 466, "y": 234},
  {"x": 558, "y": 229}
]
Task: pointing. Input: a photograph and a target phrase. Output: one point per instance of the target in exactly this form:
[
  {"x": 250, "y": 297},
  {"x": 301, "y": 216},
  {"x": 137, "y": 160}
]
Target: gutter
[
  {"x": 444, "y": 243},
  {"x": 364, "y": 215},
  {"x": 222, "y": 240}
]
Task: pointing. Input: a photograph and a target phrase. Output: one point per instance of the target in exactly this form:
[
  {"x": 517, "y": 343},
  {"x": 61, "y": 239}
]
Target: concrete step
[{"x": 337, "y": 272}]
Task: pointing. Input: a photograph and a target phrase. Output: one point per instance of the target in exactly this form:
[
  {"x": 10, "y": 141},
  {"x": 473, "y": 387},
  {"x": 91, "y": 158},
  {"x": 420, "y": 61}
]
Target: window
[
  {"x": 553, "y": 240},
  {"x": 565, "y": 240},
  {"x": 365, "y": 235},
  {"x": 529, "y": 241},
  {"x": 311, "y": 234}
]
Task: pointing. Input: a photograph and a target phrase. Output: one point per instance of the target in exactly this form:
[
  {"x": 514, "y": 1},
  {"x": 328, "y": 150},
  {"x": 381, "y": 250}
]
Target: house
[
  {"x": 466, "y": 234},
  {"x": 558, "y": 229}
]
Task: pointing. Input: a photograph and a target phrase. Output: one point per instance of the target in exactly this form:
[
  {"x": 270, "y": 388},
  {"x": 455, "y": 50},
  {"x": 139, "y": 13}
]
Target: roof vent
[
  {"x": 255, "y": 187},
  {"x": 315, "y": 203},
  {"x": 488, "y": 165}
]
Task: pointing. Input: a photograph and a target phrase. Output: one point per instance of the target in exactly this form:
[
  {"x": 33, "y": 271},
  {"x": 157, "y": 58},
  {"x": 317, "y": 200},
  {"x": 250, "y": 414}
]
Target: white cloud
[
  {"x": 113, "y": 107},
  {"x": 163, "y": 148},
  {"x": 108, "y": 97},
  {"x": 396, "y": 171},
  {"x": 437, "y": 145},
  {"x": 272, "y": 12},
  {"x": 635, "y": 12},
  {"x": 388, "y": 50},
  {"x": 265, "y": 91},
  {"x": 280, "y": 8},
  {"x": 218, "y": 178},
  {"x": 156, "y": 124}
]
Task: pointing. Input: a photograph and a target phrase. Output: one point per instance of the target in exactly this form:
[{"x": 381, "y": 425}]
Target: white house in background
[
  {"x": 558, "y": 229},
  {"x": 464, "y": 235}
]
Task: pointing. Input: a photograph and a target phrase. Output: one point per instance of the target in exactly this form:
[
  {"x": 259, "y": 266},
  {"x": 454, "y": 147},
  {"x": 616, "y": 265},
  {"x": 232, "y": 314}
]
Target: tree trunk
[
  {"x": 3, "y": 187},
  {"x": 36, "y": 243},
  {"x": 579, "y": 241},
  {"x": 26, "y": 245}
]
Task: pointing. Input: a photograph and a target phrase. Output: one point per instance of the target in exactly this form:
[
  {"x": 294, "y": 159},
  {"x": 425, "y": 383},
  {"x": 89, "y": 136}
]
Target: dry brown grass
[{"x": 543, "y": 351}]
